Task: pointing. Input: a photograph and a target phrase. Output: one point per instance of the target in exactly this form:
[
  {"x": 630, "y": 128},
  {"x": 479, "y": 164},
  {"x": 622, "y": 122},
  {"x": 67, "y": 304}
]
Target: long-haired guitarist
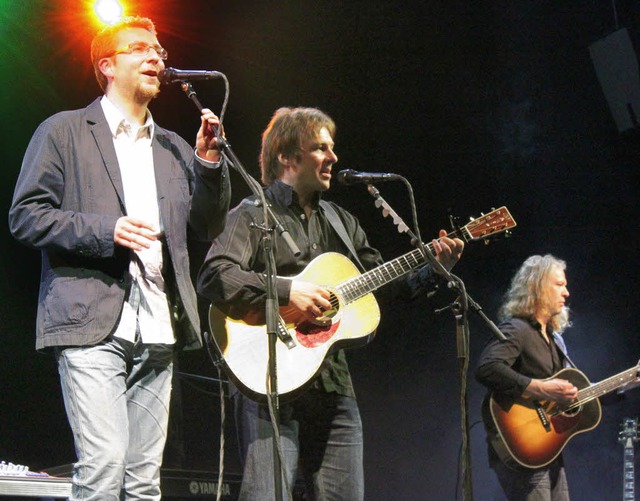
[
  {"x": 321, "y": 429},
  {"x": 534, "y": 315}
]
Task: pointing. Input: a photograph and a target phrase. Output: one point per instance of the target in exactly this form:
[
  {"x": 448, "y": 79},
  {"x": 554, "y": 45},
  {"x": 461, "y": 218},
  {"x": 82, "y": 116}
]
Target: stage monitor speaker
[{"x": 616, "y": 66}]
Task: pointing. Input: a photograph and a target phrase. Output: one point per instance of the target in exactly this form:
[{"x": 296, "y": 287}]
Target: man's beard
[{"x": 144, "y": 94}]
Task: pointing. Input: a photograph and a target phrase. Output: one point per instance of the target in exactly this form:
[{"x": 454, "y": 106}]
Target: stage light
[{"x": 108, "y": 11}]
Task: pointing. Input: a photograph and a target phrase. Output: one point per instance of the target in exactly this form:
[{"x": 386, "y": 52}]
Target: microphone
[
  {"x": 349, "y": 177},
  {"x": 173, "y": 75}
]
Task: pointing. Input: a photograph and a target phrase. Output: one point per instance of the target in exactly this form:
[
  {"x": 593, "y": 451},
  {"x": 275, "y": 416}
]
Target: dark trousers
[
  {"x": 321, "y": 433},
  {"x": 540, "y": 484}
]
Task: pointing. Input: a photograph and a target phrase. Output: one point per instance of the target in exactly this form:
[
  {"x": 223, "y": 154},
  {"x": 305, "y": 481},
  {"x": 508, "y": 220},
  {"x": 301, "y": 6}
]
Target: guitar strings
[{"x": 594, "y": 391}]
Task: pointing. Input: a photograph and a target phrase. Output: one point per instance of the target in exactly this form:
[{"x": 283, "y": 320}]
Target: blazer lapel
[
  {"x": 104, "y": 141},
  {"x": 162, "y": 162}
]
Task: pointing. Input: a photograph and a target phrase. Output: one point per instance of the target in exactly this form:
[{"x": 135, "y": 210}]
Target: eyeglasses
[{"x": 140, "y": 49}]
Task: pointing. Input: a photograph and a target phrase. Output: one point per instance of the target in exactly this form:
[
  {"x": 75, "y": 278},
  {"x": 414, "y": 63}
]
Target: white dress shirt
[{"x": 146, "y": 309}]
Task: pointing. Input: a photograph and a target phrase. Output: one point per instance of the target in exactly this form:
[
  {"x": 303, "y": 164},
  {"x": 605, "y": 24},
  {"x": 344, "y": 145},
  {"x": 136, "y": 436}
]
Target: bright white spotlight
[{"x": 108, "y": 11}]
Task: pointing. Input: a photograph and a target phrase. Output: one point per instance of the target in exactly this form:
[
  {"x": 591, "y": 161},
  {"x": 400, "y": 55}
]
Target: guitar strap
[
  {"x": 563, "y": 348},
  {"x": 338, "y": 226},
  {"x": 336, "y": 223}
]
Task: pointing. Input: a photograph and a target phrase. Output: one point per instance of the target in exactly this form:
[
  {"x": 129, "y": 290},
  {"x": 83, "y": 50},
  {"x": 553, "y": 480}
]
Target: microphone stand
[
  {"x": 452, "y": 280},
  {"x": 460, "y": 309},
  {"x": 272, "y": 315}
]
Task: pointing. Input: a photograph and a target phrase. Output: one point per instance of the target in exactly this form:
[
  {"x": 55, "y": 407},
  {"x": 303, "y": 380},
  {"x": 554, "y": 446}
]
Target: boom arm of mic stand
[
  {"x": 402, "y": 227},
  {"x": 492, "y": 326}
]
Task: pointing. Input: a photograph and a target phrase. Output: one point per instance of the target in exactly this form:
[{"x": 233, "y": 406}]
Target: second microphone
[{"x": 349, "y": 177}]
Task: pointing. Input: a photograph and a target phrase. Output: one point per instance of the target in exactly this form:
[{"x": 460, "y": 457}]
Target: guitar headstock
[
  {"x": 628, "y": 430},
  {"x": 487, "y": 225}
]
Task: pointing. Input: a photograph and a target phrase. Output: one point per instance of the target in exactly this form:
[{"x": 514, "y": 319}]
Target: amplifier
[{"x": 185, "y": 484}]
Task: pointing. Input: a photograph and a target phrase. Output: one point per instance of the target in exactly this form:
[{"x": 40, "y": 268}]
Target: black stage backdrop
[{"x": 478, "y": 104}]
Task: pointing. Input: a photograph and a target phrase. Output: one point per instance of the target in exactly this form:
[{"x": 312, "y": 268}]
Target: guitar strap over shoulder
[
  {"x": 338, "y": 226},
  {"x": 563, "y": 348},
  {"x": 336, "y": 223}
]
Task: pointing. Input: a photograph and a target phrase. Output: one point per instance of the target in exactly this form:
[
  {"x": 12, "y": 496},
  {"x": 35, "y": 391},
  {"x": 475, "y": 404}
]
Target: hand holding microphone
[
  {"x": 208, "y": 137},
  {"x": 207, "y": 145}
]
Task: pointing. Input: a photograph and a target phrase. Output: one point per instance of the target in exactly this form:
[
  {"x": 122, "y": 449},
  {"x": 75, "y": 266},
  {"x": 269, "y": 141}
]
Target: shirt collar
[
  {"x": 118, "y": 123},
  {"x": 535, "y": 324},
  {"x": 284, "y": 195}
]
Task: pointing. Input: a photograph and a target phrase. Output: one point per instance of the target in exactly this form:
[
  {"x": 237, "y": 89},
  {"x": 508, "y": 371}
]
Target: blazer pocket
[{"x": 69, "y": 303}]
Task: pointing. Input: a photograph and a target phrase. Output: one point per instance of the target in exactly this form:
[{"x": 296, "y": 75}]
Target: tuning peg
[{"x": 454, "y": 221}]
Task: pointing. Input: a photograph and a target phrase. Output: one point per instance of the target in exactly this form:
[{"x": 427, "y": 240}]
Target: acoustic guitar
[{"x": 533, "y": 433}]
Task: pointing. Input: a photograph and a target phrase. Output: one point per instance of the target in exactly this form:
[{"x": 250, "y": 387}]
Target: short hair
[
  {"x": 286, "y": 131},
  {"x": 104, "y": 42},
  {"x": 526, "y": 296}
]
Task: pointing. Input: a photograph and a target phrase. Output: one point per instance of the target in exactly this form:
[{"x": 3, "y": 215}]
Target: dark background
[{"x": 478, "y": 104}]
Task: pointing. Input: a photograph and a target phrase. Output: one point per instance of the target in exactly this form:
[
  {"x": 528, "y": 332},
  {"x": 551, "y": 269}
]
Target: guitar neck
[
  {"x": 497, "y": 221},
  {"x": 365, "y": 283},
  {"x": 605, "y": 386},
  {"x": 628, "y": 491},
  {"x": 372, "y": 280},
  {"x": 627, "y": 436}
]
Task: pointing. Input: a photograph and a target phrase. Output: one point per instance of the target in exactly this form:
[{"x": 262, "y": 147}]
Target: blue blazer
[{"x": 67, "y": 200}]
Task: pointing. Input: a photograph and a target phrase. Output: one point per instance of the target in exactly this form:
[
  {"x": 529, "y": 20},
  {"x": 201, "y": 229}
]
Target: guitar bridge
[
  {"x": 283, "y": 334},
  {"x": 542, "y": 415}
]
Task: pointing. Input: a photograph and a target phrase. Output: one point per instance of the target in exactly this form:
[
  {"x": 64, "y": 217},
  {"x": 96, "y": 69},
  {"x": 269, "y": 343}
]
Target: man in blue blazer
[{"x": 110, "y": 198}]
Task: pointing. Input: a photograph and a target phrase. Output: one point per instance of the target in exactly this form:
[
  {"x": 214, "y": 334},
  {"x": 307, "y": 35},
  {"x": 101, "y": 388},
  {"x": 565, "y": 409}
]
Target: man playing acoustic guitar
[
  {"x": 538, "y": 400},
  {"x": 321, "y": 429},
  {"x": 534, "y": 315}
]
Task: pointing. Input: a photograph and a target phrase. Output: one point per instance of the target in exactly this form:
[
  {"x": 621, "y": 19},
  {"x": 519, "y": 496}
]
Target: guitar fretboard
[
  {"x": 628, "y": 435},
  {"x": 629, "y": 493},
  {"x": 371, "y": 280},
  {"x": 605, "y": 386},
  {"x": 496, "y": 221}
]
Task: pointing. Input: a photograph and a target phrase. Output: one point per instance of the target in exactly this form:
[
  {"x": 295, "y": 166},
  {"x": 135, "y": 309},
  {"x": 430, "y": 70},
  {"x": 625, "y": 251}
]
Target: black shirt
[{"x": 508, "y": 366}]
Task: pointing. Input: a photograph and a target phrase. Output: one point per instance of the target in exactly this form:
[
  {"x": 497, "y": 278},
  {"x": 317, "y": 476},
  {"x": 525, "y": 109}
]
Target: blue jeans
[
  {"x": 117, "y": 399},
  {"x": 541, "y": 484},
  {"x": 320, "y": 432}
]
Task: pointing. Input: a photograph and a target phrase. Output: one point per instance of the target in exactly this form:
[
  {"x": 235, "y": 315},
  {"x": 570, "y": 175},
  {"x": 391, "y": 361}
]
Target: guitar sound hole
[
  {"x": 327, "y": 315},
  {"x": 573, "y": 411}
]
